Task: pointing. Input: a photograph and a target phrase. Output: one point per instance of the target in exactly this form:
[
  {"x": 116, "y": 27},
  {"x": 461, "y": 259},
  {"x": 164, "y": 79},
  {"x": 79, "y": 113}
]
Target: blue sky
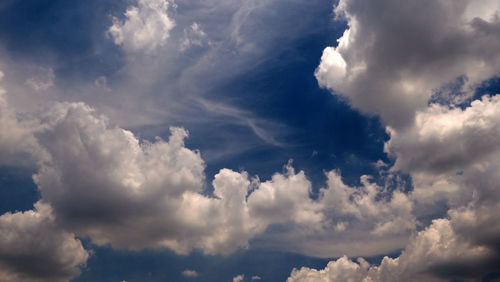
[{"x": 269, "y": 139}]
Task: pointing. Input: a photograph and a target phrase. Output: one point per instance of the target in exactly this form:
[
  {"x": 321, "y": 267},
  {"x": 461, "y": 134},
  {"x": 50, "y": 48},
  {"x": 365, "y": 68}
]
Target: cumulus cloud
[
  {"x": 103, "y": 182},
  {"x": 440, "y": 252},
  {"x": 190, "y": 273},
  {"x": 341, "y": 217},
  {"x": 444, "y": 139},
  {"x": 145, "y": 27},
  {"x": 452, "y": 154},
  {"x": 34, "y": 248},
  {"x": 285, "y": 198},
  {"x": 391, "y": 65},
  {"x": 238, "y": 278}
]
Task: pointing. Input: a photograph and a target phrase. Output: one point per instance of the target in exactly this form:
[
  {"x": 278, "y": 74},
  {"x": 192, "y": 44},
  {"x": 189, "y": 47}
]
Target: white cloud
[
  {"x": 190, "y": 273},
  {"x": 238, "y": 278},
  {"x": 336, "y": 271},
  {"x": 194, "y": 36},
  {"x": 102, "y": 182},
  {"x": 440, "y": 252},
  {"x": 340, "y": 218},
  {"x": 146, "y": 26},
  {"x": 451, "y": 153},
  {"x": 34, "y": 248},
  {"x": 285, "y": 198},
  {"x": 392, "y": 65},
  {"x": 444, "y": 139},
  {"x": 256, "y": 277}
]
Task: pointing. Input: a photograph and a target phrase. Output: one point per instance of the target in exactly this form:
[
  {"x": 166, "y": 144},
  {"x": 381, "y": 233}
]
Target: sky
[{"x": 250, "y": 140}]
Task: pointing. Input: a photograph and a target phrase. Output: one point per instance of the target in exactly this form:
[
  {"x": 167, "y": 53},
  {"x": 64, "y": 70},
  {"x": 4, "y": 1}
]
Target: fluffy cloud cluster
[
  {"x": 440, "y": 252},
  {"x": 452, "y": 153},
  {"x": 146, "y": 26},
  {"x": 370, "y": 213},
  {"x": 34, "y": 248},
  {"x": 102, "y": 182},
  {"x": 453, "y": 161},
  {"x": 392, "y": 66},
  {"x": 391, "y": 63},
  {"x": 444, "y": 139}
]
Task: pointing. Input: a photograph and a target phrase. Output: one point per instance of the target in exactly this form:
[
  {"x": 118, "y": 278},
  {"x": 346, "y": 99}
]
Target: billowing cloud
[
  {"x": 444, "y": 139},
  {"x": 342, "y": 216},
  {"x": 34, "y": 248},
  {"x": 146, "y": 26},
  {"x": 395, "y": 55},
  {"x": 440, "y": 252},
  {"x": 102, "y": 182},
  {"x": 393, "y": 66},
  {"x": 452, "y": 154}
]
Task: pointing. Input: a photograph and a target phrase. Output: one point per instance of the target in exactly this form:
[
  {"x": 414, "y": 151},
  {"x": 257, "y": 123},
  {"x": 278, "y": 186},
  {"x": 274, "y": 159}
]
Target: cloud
[
  {"x": 102, "y": 181},
  {"x": 336, "y": 271},
  {"x": 439, "y": 253},
  {"x": 340, "y": 218},
  {"x": 146, "y": 26},
  {"x": 391, "y": 65},
  {"x": 256, "y": 277},
  {"x": 190, "y": 273},
  {"x": 43, "y": 81},
  {"x": 194, "y": 36},
  {"x": 34, "y": 248},
  {"x": 452, "y": 155},
  {"x": 238, "y": 278},
  {"x": 19, "y": 128},
  {"x": 444, "y": 139}
]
